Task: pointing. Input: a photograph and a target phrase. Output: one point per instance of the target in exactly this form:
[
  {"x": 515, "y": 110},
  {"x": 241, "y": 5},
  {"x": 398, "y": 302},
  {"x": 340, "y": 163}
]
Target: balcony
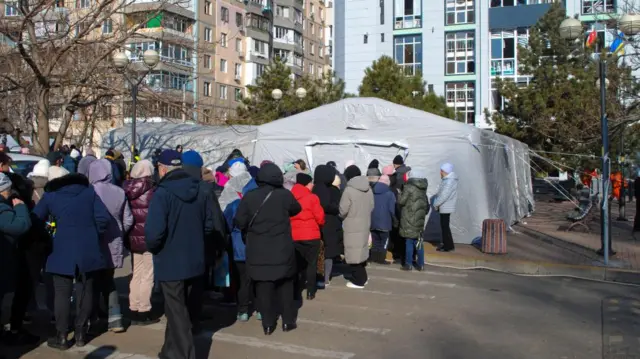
[
  {"x": 167, "y": 34},
  {"x": 408, "y": 22},
  {"x": 135, "y": 58}
]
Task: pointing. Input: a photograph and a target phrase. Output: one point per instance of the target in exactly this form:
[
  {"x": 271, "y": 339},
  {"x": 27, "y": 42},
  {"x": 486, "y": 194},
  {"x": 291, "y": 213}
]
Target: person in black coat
[
  {"x": 329, "y": 195},
  {"x": 264, "y": 215}
]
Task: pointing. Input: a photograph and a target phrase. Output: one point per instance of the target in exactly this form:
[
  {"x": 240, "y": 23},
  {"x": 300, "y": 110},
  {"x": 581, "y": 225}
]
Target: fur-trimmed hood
[{"x": 64, "y": 181}]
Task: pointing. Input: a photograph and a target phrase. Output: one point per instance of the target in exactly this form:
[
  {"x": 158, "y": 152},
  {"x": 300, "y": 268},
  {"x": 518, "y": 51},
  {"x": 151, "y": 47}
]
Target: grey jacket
[
  {"x": 356, "y": 206},
  {"x": 445, "y": 200}
]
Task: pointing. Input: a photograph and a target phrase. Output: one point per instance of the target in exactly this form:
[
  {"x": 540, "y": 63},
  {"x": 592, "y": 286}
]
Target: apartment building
[
  {"x": 313, "y": 37},
  {"x": 459, "y": 46}
]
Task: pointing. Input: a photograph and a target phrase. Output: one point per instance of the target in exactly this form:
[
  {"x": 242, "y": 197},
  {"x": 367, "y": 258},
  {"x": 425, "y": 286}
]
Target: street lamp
[
  {"x": 571, "y": 29},
  {"x": 150, "y": 58},
  {"x": 301, "y": 92},
  {"x": 277, "y": 94}
]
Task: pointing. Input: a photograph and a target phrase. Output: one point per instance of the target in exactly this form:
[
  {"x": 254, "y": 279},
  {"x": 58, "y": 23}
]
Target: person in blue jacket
[
  {"x": 79, "y": 217},
  {"x": 382, "y": 219},
  {"x": 179, "y": 221},
  {"x": 245, "y": 289},
  {"x": 67, "y": 161}
]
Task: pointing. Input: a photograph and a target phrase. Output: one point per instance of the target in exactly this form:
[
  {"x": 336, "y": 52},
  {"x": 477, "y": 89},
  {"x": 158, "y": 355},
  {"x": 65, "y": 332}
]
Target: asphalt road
[{"x": 435, "y": 314}]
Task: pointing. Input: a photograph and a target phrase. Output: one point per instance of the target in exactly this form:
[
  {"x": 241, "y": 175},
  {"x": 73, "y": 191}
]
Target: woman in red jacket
[
  {"x": 139, "y": 190},
  {"x": 305, "y": 229}
]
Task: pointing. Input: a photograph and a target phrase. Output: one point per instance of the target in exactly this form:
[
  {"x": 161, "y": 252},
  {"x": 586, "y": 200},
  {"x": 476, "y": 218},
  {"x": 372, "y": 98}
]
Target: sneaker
[
  {"x": 243, "y": 317},
  {"x": 20, "y": 338},
  {"x": 406, "y": 268},
  {"x": 351, "y": 285},
  {"x": 258, "y": 316},
  {"x": 116, "y": 326}
]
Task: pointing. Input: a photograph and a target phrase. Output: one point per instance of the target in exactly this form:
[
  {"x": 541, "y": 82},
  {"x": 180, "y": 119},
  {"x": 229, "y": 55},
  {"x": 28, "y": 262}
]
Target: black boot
[
  {"x": 59, "y": 341},
  {"x": 144, "y": 318},
  {"x": 289, "y": 327},
  {"x": 80, "y": 337},
  {"x": 269, "y": 329}
]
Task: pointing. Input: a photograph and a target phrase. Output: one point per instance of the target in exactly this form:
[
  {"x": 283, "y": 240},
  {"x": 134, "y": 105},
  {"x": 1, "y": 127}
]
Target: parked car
[{"x": 23, "y": 164}]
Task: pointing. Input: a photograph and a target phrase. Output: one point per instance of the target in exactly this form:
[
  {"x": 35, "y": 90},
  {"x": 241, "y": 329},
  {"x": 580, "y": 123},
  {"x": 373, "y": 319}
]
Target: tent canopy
[{"x": 493, "y": 170}]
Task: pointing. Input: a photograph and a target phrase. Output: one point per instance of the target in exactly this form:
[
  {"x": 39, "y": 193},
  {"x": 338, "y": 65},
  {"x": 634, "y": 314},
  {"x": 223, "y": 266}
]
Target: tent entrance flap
[{"x": 362, "y": 152}]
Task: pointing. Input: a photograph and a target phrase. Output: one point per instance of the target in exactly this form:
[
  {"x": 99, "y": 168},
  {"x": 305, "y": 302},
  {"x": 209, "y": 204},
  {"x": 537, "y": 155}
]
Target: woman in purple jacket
[{"x": 139, "y": 190}]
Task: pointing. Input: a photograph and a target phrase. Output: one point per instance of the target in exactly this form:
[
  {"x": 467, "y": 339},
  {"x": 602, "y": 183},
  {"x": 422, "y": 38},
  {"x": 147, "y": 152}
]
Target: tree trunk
[
  {"x": 64, "y": 126},
  {"x": 85, "y": 126},
  {"x": 41, "y": 142}
]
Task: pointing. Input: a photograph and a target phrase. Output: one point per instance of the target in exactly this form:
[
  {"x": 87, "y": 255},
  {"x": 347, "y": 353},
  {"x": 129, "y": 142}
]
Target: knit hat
[
  {"x": 446, "y": 168},
  {"x": 192, "y": 158},
  {"x": 385, "y": 179},
  {"x": 337, "y": 182},
  {"x": 170, "y": 158},
  {"x": 57, "y": 172},
  {"x": 142, "y": 169},
  {"x": 74, "y": 153},
  {"x": 5, "y": 182},
  {"x": 388, "y": 170},
  {"x": 351, "y": 172},
  {"x": 398, "y": 160},
  {"x": 373, "y": 172},
  {"x": 265, "y": 162},
  {"x": 41, "y": 169},
  {"x": 303, "y": 179},
  {"x": 417, "y": 173},
  {"x": 237, "y": 169},
  {"x": 374, "y": 164},
  {"x": 332, "y": 164}
]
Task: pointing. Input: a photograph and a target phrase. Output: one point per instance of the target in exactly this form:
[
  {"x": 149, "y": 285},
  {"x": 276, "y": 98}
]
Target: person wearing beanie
[
  {"x": 305, "y": 230},
  {"x": 264, "y": 216},
  {"x": 445, "y": 203},
  {"x": 68, "y": 162},
  {"x": 414, "y": 206},
  {"x": 356, "y": 206},
  {"x": 374, "y": 164},
  {"x": 192, "y": 158},
  {"x": 399, "y": 178},
  {"x": 373, "y": 174},
  {"x": 329, "y": 194},
  {"x": 382, "y": 219},
  {"x": 117, "y": 173},
  {"x": 265, "y": 162},
  {"x": 398, "y": 161},
  {"x": 343, "y": 181},
  {"x": 57, "y": 172},
  {"x": 349, "y": 163},
  {"x": 180, "y": 221}
]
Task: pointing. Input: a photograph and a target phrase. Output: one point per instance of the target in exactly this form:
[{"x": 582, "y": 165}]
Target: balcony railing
[{"x": 408, "y": 22}]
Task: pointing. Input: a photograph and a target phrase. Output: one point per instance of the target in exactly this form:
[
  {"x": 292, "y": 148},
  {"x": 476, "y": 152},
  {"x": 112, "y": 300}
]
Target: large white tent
[{"x": 493, "y": 170}]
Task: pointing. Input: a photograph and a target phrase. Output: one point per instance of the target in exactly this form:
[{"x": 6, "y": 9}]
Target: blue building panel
[{"x": 512, "y": 17}]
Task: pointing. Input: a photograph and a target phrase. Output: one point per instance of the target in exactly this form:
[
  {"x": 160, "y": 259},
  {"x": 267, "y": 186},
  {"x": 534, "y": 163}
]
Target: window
[
  {"x": 460, "y": 12},
  {"x": 312, "y": 10},
  {"x": 408, "y": 53},
  {"x": 319, "y": 71},
  {"x": 461, "y": 97},
  {"x": 297, "y": 18},
  {"x": 238, "y": 95},
  {"x": 313, "y": 29},
  {"x": 11, "y": 9},
  {"x": 223, "y": 39},
  {"x": 501, "y": 3},
  {"x": 311, "y": 69},
  {"x": 320, "y": 52},
  {"x": 260, "y": 68},
  {"x": 207, "y": 61},
  {"x": 207, "y": 89},
  {"x": 260, "y": 47},
  {"x": 381, "y": 12},
  {"x": 207, "y": 34},
  {"x": 258, "y": 22},
  {"x": 504, "y": 51},
  {"x": 238, "y": 19},
  {"x": 282, "y": 11},
  {"x": 238, "y": 45},
  {"x": 107, "y": 26},
  {"x": 83, "y": 4},
  {"x": 382, "y": 37},
  {"x": 223, "y": 65},
  {"x": 311, "y": 49},
  {"x": 408, "y": 14},
  {"x": 237, "y": 71},
  {"x": 281, "y": 32},
  {"x": 208, "y": 7},
  {"x": 460, "y": 53},
  {"x": 365, "y": 39},
  {"x": 223, "y": 92},
  {"x": 320, "y": 32},
  {"x": 224, "y": 14},
  {"x": 282, "y": 54}
]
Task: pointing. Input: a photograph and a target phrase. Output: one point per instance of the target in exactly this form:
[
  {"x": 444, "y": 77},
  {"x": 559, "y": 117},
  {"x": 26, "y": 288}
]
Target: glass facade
[
  {"x": 460, "y": 56},
  {"x": 461, "y": 97},
  {"x": 408, "y": 53},
  {"x": 460, "y": 12},
  {"x": 408, "y": 14}
]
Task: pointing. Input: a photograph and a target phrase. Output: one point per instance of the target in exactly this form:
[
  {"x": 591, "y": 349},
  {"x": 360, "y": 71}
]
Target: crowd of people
[{"x": 261, "y": 235}]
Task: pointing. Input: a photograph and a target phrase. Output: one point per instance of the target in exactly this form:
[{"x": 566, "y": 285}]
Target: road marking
[
  {"x": 102, "y": 352},
  {"x": 283, "y": 347},
  {"x": 416, "y": 282},
  {"x": 381, "y": 331},
  {"x": 444, "y": 274},
  {"x": 345, "y": 289},
  {"x": 347, "y": 306}
]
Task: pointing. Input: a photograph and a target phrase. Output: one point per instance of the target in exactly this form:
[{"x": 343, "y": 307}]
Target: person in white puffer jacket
[{"x": 445, "y": 203}]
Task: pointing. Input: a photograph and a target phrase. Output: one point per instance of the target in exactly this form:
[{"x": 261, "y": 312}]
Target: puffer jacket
[
  {"x": 356, "y": 206},
  {"x": 384, "y": 212},
  {"x": 414, "y": 206},
  {"x": 306, "y": 224},
  {"x": 445, "y": 199},
  {"x": 139, "y": 192}
]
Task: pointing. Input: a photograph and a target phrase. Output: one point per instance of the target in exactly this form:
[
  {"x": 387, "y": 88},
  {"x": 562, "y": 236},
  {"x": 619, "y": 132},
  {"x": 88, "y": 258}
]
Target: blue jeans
[{"x": 410, "y": 246}]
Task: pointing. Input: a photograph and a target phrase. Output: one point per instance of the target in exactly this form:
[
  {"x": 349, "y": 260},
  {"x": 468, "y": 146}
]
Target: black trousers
[
  {"x": 447, "y": 238},
  {"x": 244, "y": 285},
  {"x": 180, "y": 307},
  {"x": 273, "y": 295},
  {"x": 63, "y": 287},
  {"x": 28, "y": 266},
  {"x": 358, "y": 273},
  {"x": 307, "y": 253}
]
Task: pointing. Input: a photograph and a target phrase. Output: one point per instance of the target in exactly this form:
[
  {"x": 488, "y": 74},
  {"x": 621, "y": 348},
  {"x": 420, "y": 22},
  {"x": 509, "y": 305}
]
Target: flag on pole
[
  {"x": 617, "y": 46},
  {"x": 591, "y": 38}
]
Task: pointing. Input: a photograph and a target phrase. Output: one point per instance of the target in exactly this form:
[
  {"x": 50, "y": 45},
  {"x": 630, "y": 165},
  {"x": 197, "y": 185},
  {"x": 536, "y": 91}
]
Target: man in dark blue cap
[{"x": 180, "y": 219}]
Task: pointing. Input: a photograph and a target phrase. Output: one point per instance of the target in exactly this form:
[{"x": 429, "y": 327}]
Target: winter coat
[
  {"x": 14, "y": 222},
  {"x": 329, "y": 197},
  {"x": 69, "y": 164},
  {"x": 233, "y": 189},
  {"x": 445, "y": 199},
  {"x": 116, "y": 202},
  {"x": 384, "y": 211},
  {"x": 239, "y": 248},
  {"x": 356, "y": 206},
  {"x": 85, "y": 162},
  {"x": 269, "y": 244},
  {"x": 399, "y": 178},
  {"x": 81, "y": 219},
  {"x": 414, "y": 204},
  {"x": 180, "y": 219},
  {"x": 306, "y": 224},
  {"x": 38, "y": 188},
  {"x": 139, "y": 192}
]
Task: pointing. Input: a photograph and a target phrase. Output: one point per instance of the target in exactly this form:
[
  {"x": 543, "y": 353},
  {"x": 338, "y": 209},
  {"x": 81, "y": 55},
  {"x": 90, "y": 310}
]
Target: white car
[{"x": 23, "y": 164}]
